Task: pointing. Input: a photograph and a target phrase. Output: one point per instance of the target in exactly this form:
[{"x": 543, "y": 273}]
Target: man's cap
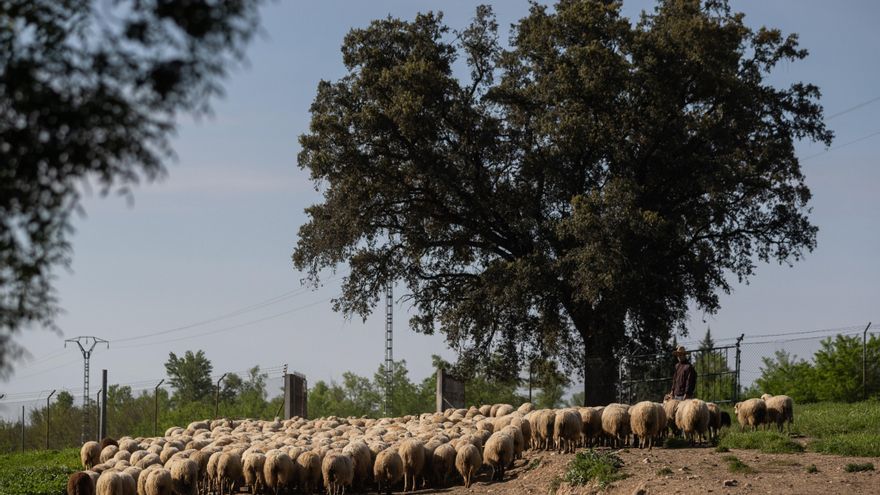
[{"x": 680, "y": 351}]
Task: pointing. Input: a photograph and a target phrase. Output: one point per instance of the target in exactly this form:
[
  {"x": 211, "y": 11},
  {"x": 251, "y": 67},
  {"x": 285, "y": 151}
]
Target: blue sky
[{"x": 217, "y": 234}]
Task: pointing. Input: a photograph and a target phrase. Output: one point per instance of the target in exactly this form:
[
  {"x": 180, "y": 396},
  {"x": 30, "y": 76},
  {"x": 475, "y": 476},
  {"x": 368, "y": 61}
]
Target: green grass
[
  {"x": 830, "y": 427},
  {"x": 769, "y": 442},
  {"x": 812, "y": 469},
  {"x": 589, "y": 465},
  {"x": 721, "y": 448},
  {"x": 734, "y": 465},
  {"x": 41, "y": 472},
  {"x": 555, "y": 483},
  {"x": 857, "y": 468},
  {"x": 535, "y": 463},
  {"x": 664, "y": 471}
]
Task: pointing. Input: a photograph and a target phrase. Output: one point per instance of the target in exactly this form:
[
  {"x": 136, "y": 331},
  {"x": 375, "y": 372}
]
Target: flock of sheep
[{"x": 275, "y": 457}]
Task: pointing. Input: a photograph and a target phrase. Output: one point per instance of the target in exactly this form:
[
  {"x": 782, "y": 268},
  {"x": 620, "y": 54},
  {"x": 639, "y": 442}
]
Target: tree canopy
[
  {"x": 834, "y": 374},
  {"x": 89, "y": 94},
  {"x": 190, "y": 376},
  {"x": 574, "y": 190}
]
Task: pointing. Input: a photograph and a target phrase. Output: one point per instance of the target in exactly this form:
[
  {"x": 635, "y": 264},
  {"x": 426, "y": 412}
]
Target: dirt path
[{"x": 698, "y": 470}]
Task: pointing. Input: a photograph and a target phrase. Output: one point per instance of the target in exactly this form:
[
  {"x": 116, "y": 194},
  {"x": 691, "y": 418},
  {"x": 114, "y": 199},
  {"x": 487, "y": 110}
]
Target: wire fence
[
  {"x": 50, "y": 419},
  {"x": 729, "y": 368},
  {"x": 53, "y": 419}
]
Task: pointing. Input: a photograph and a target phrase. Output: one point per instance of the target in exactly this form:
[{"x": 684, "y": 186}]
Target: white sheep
[
  {"x": 498, "y": 454},
  {"x": 692, "y": 417},
  {"x": 750, "y": 412},
  {"x": 780, "y": 409},
  {"x": 644, "y": 423}
]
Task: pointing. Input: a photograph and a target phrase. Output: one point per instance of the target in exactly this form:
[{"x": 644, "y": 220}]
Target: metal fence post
[
  {"x": 47, "y": 418},
  {"x": 864, "y": 362},
  {"x": 156, "y": 417},
  {"x": 103, "y": 427},
  {"x": 217, "y": 399},
  {"x": 736, "y": 381}
]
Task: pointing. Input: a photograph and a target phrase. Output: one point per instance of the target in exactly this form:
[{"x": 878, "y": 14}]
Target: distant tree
[
  {"x": 715, "y": 381},
  {"x": 576, "y": 399},
  {"x": 838, "y": 368},
  {"x": 190, "y": 376},
  {"x": 707, "y": 344},
  {"x": 785, "y": 374},
  {"x": 252, "y": 397},
  {"x": 91, "y": 92},
  {"x": 835, "y": 374},
  {"x": 231, "y": 387},
  {"x": 325, "y": 400},
  {"x": 578, "y": 191},
  {"x": 406, "y": 397},
  {"x": 64, "y": 400},
  {"x": 551, "y": 384}
]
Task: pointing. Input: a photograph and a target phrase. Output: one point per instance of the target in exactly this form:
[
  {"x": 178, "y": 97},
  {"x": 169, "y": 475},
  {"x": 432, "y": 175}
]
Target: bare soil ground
[{"x": 694, "y": 470}]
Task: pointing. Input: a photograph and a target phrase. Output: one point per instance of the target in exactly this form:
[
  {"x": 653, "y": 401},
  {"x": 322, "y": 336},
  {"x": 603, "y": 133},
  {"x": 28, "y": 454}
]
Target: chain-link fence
[
  {"x": 730, "y": 367},
  {"x": 649, "y": 376}
]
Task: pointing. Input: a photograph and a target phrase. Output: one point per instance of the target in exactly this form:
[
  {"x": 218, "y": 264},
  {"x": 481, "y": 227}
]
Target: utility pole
[
  {"x": 864, "y": 362},
  {"x": 90, "y": 343},
  {"x": 103, "y": 428},
  {"x": 47, "y": 418},
  {"x": 217, "y": 399},
  {"x": 98, "y": 416},
  {"x": 22, "y": 428},
  {"x": 156, "y": 417},
  {"x": 389, "y": 346}
]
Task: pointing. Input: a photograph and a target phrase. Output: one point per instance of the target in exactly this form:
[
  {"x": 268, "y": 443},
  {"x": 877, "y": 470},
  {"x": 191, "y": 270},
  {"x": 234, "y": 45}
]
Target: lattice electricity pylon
[
  {"x": 389, "y": 346},
  {"x": 90, "y": 342}
]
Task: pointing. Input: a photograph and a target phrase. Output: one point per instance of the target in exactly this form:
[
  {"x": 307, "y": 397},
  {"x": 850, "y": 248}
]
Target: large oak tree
[{"x": 570, "y": 194}]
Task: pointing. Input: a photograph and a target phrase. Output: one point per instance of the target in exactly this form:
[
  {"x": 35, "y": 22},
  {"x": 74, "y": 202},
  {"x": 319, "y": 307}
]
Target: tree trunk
[
  {"x": 600, "y": 371},
  {"x": 597, "y": 328}
]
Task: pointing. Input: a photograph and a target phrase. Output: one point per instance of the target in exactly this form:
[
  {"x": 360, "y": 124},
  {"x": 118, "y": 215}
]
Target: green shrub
[
  {"x": 734, "y": 465},
  {"x": 664, "y": 471},
  {"x": 601, "y": 467},
  {"x": 856, "y": 468},
  {"x": 812, "y": 469},
  {"x": 42, "y": 472}
]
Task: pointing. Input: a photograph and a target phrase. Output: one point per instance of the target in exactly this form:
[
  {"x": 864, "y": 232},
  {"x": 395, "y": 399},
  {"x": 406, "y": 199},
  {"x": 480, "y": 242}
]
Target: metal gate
[{"x": 649, "y": 376}]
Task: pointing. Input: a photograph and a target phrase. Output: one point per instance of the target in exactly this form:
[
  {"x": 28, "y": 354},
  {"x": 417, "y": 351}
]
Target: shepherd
[{"x": 684, "y": 380}]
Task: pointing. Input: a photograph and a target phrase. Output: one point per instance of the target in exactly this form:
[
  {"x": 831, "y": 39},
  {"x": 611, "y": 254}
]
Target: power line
[
  {"x": 782, "y": 334},
  {"x": 68, "y": 363},
  {"x": 32, "y": 396},
  {"x": 844, "y": 145},
  {"x": 240, "y": 311},
  {"x": 783, "y": 341},
  {"x": 226, "y": 329},
  {"x": 852, "y": 108}
]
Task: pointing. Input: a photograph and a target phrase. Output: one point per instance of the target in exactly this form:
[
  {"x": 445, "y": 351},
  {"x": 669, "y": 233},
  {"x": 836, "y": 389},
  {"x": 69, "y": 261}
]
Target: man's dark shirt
[{"x": 684, "y": 380}]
